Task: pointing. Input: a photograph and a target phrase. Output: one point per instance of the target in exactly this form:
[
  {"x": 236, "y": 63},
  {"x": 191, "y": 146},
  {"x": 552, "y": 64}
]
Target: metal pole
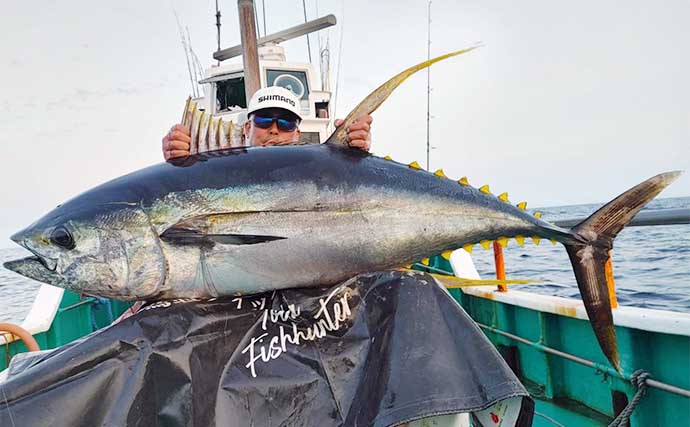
[
  {"x": 250, "y": 53},
  {"x": 256, "y": 22},
  {"x": 280, "y": 36},
  {"x": 671, "y": 216},
  {"x": 304, "y": 7},
  {"x": 218, "y": 24},
  {"x": 500, "y": 266},
  {"x": 428, "y": 84},
  {"x": 263, "y": 11}
]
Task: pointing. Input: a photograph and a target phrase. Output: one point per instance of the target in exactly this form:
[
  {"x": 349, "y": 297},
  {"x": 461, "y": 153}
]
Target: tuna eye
[{"x": 62, "y": 237}]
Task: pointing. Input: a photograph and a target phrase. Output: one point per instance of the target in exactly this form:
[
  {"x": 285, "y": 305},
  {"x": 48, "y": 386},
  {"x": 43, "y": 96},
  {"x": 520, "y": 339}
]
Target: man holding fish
[
  {"x": 273, "y": 119},
  {"x": 278, "y": 220},
  {"x": 243, "y": 222}
]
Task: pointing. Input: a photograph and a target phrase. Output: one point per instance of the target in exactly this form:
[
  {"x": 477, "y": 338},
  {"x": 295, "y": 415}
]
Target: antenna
[
  {"x": 256, "y": 21},
  {"x": 263, "y": 12},
  {"x": 428, "y": 85},
  {"x": 325, "y": 67},
  {"x": 196, "y": 64},
  {"x": 340, "y": 56},
  {"x": 186, "y": 54},
  {"x": 304, "y": 7},
  {"x": 218, "y": 23}
]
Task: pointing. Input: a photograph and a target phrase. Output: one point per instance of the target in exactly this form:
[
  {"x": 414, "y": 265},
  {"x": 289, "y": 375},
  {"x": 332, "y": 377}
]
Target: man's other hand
[
  {"x": 359, "y": 133},
  {"x": 176, "y": 142}
]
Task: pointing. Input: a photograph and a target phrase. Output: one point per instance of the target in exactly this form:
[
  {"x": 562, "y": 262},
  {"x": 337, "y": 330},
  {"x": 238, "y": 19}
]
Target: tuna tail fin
[
  {"x": 589, "y": 259},
  {"x": 380, "y": 94}
]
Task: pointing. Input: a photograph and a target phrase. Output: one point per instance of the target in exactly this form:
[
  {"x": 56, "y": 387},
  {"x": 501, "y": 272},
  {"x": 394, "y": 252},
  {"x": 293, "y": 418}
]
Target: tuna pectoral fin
[
  {"x": 189, "y": 236},
  {"x": 589, "y": 259}
]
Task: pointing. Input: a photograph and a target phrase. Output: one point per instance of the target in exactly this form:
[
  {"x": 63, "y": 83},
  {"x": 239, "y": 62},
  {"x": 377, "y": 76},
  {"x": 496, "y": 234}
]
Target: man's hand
[
  {"x": 359, "y": 135},
  {"x": 176, "y": 142}
]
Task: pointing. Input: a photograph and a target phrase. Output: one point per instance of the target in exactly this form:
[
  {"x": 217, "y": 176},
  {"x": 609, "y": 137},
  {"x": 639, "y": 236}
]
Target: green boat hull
[
  {"x": 75, "y": 317},
  {"x": 576, "y": 395}
]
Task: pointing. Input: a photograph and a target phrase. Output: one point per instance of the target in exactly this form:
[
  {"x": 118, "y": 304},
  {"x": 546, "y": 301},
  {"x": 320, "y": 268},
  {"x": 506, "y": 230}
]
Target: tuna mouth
[
  {"x": 33, "y": 268},
  {"x": 49, "y": 263}
]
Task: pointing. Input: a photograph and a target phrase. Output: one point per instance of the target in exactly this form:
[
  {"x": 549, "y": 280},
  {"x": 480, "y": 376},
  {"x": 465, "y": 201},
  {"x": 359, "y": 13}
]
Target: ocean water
[{"x": 651, "y": 265}]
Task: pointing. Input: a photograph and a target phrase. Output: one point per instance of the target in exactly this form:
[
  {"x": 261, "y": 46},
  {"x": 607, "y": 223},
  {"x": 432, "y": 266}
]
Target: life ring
[{"x": 28, "y": 339}]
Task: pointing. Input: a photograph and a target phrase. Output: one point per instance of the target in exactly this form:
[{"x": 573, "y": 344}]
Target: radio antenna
[
  {"x": 428, "y": 86},
  {"x": 218, "y": 24},
  {"x": 186, "y": 53},
  {"x": 304, "y": 7}
]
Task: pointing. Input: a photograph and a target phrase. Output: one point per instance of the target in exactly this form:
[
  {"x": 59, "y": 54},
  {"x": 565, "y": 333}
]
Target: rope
[
  {"x": 639, "y": 380},
  {"x": 437, "y": 270},
  {"x": 547, "y": 418}
]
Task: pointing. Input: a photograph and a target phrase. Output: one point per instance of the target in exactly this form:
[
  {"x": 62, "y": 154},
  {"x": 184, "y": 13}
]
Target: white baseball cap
[{"x": 274, "y": 97}]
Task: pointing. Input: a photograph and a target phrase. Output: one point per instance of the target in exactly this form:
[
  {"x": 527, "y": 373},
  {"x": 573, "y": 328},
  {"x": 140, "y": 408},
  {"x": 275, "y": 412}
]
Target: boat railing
[
  {"x": 672, "y": 216},
  {"x": 598, "y": 366}
]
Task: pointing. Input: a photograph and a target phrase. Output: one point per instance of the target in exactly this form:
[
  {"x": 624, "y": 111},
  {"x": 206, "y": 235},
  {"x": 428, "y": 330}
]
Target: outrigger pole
[{"x": 280, "y": 36}]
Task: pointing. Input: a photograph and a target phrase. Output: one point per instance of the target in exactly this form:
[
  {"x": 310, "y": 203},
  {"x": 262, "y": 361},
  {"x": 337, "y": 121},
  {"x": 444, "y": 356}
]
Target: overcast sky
[{"x": 567, "y": 102}]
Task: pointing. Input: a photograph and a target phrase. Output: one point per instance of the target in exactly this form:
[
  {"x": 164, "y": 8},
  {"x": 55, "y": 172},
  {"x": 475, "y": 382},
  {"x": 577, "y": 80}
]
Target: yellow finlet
[
  {"x": 520, "y": 240},
  {"x": 468, "y": 247},
  {"x": 388, "y": 158},
  {"x": 446, "y": 254},
  {"x": 425, "y": 261},
  {"x": 414, "y": 165},
  {"x": 537, "y": 214},
  {"x": 464, "y": 181},
  {"x": 503, "y": 197},
  {"x": 485, "y": 244},
  {"x": 503, "y": 241},
  {"x": 485, "y": 189},
  {"x": 536, "y": 240},
  {"x": 554, "y": 241},
  {"x": 439, "y": 173},
  {"x": 522, "y": 206}
]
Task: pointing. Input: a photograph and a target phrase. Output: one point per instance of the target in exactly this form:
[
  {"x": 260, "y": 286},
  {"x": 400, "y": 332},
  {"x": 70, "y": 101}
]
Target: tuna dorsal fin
[{"x": 376, "y": 98}]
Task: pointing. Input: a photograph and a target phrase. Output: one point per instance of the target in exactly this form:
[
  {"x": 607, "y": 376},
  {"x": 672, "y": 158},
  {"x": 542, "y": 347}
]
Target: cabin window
[
  {"x": 295, "y": 81},
  {"x": 230, "y": 94},
  {"x": 309, "y": 138}
]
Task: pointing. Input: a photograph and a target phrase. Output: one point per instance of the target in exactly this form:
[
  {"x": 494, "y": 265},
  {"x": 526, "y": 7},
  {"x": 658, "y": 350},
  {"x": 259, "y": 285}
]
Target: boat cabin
[{"x": 225, "y": 95}]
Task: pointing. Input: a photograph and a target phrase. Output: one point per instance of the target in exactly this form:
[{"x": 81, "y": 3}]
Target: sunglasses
[{"x": 286, "y": 125}]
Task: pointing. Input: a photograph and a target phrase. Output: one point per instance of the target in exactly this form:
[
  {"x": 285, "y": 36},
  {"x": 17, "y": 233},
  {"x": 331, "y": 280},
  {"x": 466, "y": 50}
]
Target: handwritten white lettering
[{"x": 328, "y": 318}]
